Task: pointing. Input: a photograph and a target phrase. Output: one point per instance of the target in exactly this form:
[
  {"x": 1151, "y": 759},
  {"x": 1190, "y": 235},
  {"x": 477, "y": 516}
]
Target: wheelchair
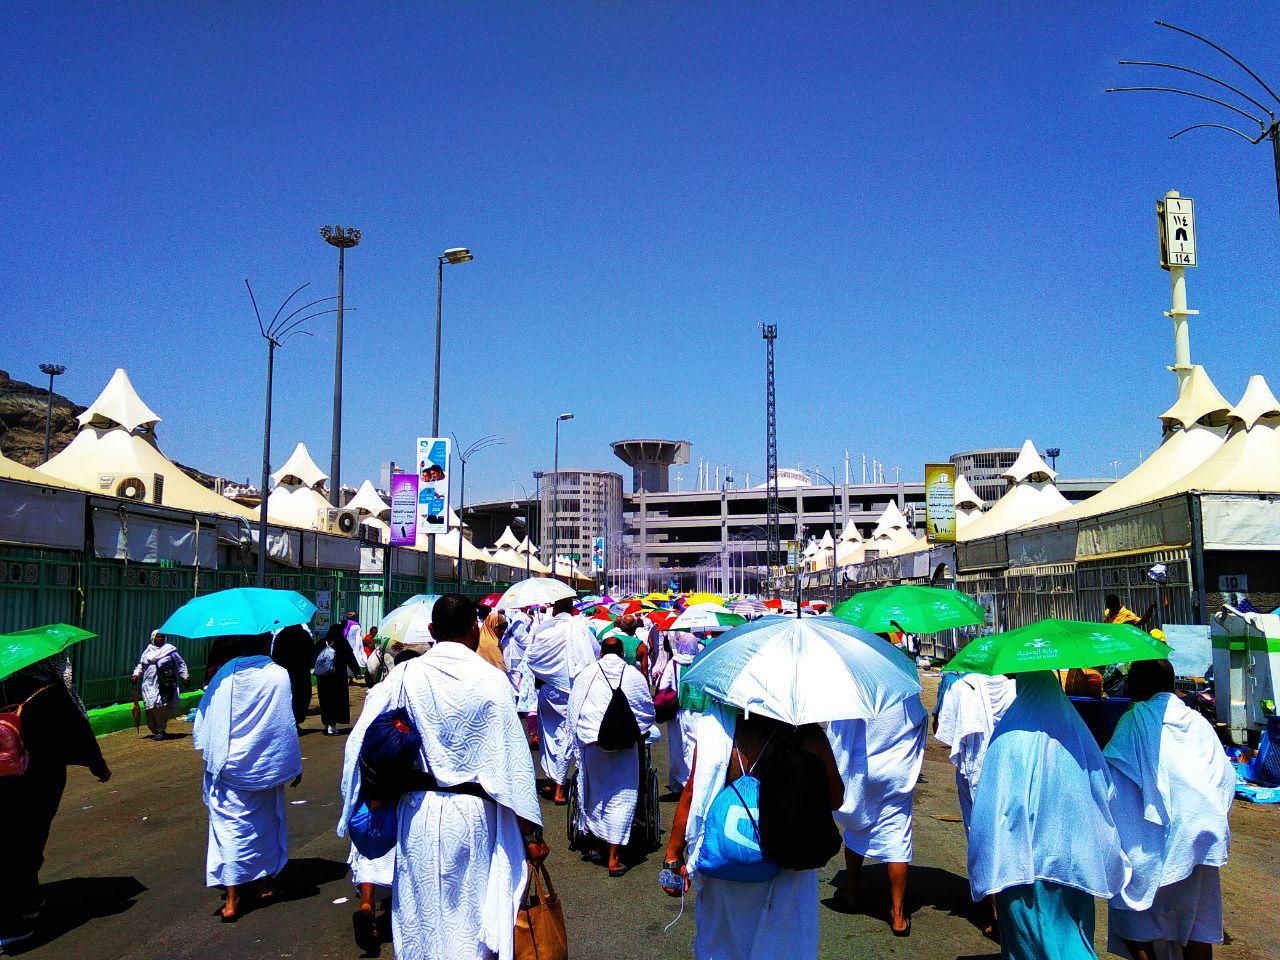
[{"x": 646, "y": 824}]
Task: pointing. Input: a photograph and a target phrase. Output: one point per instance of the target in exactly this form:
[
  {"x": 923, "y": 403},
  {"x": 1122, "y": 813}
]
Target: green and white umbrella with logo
[{"x": 1057, "y": 645}]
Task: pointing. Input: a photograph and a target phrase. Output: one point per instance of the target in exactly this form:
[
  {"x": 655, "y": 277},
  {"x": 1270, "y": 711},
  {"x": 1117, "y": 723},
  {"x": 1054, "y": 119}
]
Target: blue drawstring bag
[
  {"x": 391, "y": 745},
  {"x": 373, "y": 827},
  {"x": 731, "y": 838}
]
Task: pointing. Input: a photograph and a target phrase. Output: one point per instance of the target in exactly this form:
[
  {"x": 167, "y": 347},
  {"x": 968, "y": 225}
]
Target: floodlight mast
[{"x": 1268, "y": 129}]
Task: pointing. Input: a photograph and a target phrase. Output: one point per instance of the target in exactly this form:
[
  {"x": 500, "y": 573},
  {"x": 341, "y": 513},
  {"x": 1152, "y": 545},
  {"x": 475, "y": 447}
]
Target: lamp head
[
  {"x": 340, "y": 236},
  {"x": 52, "y": 369},
  {"x": 456, "y": 255},
  {"x": 565, "y": 416}
]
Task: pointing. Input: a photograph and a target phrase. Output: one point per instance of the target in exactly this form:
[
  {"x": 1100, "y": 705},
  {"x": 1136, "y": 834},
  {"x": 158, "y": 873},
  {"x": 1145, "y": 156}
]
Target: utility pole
[
  {"x": 1176, "y": 217},
  {"x": 772, "y": 523},
  {"x": 52, "y": 370}
]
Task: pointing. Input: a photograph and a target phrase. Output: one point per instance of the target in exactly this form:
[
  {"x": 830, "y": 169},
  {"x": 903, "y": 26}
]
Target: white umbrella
[
  {"x": 535, "y": 591},
  {"x": 707, "y": 616},
  {"x": 409, "y": 622},
  {"x": 804, "y": 670}
]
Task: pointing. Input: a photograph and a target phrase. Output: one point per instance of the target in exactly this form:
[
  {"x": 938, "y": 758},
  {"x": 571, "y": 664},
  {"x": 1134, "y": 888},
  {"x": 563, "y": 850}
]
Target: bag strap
[
  {"x": 16, "y": 709},
  {"x": 745, "y": 806},
  {"x": 539, "y": 883}
]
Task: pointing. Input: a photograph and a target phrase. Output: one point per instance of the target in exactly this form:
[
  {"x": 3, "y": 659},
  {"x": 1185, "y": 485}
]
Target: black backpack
[
  {"x": 618, "y": 728},
  {"x": 797, "y": 831},
  {"x": 167, "y": 674}
]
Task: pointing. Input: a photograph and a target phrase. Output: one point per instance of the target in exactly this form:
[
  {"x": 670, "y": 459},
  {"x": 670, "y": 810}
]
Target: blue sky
[{"x": 948, "y": 220}]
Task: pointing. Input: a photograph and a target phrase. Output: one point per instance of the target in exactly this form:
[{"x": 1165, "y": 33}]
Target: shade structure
[
  {"x": 707, "y": 618},
  {"x": 748, "y": 607},
  {"x": 25, "y": 647},
  {"x": 244, "y": 611},
  {"x": 13, "y": 470},
  {"x": 803, "y": 671},
  {"x": 368, "y": 501},
  {"x": 1032, "y": 496},
  {"x": 1057, "y": 645},
  {"x": 507, "y": 540},
  {"x": 536, "y": 591},
  {"x": 914, "y": 609}
]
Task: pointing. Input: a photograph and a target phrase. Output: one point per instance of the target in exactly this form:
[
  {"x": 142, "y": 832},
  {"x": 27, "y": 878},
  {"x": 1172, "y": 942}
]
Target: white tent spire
[
  {"x": 1198, "y": 400},
  {"x": 1029, "y": 466},
  {"x": 368, "y": 500},
  {"x": 507, "y": 540},
  {"x": 850, "y": 534},
  {"x": 301, "y": 467},
  {"x": 966, "y": 497},
  {"x": 119, "y": 405},
  {"x": 1258, "y": 402}
]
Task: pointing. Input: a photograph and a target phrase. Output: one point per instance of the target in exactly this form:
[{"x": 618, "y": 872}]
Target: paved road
[{"x": 125, "y": 876}]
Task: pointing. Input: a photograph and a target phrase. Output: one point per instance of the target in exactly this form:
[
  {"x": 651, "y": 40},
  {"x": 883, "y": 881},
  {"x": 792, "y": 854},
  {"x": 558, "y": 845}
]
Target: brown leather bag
[{"x": 540, "y": 933}]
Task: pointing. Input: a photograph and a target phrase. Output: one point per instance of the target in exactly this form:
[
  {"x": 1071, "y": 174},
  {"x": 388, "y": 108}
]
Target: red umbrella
[
  {"x": 491, "y": 601},
  {"x": 663, "y": 618},
  {"x": 773, "y": 604}
]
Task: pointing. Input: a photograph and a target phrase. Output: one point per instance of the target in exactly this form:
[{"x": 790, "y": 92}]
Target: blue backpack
[{"x": 731, "y": 838}]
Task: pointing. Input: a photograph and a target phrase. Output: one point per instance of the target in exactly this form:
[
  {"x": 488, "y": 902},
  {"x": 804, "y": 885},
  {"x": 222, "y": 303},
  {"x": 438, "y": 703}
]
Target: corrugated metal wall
[{"x": 123, "y": 602}]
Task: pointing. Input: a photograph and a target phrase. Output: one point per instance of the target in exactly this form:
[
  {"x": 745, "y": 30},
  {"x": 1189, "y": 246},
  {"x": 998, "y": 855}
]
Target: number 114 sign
[{"x": 1177, "y": 218}]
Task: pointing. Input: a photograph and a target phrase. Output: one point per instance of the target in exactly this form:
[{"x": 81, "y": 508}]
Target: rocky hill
[{"x": 22, "y": 415}]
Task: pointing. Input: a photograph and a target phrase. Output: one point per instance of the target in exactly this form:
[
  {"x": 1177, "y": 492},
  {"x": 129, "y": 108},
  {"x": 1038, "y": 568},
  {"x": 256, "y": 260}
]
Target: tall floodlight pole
[
  {"x": 555, "y": 497},
  {"x": 772, "y": 523},
  {"x": 453, "y": 255},
  {"x": 1268, "y": 128},
  {"x": 53, "y": 370},
  {"x": 343, "y": 238},
  {"x": 276, "y": 333},
  {"x": 463, "y": 455}
]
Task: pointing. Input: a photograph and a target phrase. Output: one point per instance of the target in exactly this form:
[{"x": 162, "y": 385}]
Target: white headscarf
[{"x": 1043, "y": 811}]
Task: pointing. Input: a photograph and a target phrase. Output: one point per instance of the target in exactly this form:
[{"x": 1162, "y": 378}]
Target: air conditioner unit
[
  {"x": 131, "y": 488},
  {"x": 338, "y": 520}
]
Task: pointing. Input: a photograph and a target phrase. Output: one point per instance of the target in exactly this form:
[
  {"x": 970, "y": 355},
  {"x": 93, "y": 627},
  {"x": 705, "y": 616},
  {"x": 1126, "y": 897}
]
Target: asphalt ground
[{"x": 124, "y": 875}]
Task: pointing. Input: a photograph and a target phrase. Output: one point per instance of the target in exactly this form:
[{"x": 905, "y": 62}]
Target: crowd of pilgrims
[{"x": 1052, "y": 819}]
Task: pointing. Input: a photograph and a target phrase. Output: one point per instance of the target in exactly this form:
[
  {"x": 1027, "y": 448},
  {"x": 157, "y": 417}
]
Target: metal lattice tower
[{"x": 772, "y": 525}]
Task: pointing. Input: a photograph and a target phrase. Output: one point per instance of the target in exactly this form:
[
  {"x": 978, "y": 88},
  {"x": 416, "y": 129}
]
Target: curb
[{"x": 119, "y": 716}]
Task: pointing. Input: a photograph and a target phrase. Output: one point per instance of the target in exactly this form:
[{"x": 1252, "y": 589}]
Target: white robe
[
  {"x": 880, "y": 760},
  {"x": 681, "y": 736},
  {"x": 968, "y": 716},
  {"x": 147, "y": 671},
  {"x": 1173, "y": 789},
  {"x": 743, "y": 921},
  {"x": 460, "y": 869},
  {"x": 245, "y": 729},
  {"x": 608, "y": 782},
  {"x": 558, "y": 649}
]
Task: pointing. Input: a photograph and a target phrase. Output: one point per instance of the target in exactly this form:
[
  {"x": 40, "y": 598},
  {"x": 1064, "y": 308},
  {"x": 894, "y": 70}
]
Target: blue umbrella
[
  {"x": 809, "y": 670},
  {"x": 244, "y": 611}
]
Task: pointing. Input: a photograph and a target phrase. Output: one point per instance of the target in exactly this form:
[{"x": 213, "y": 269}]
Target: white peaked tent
[
  {"x": 374, "y": 512},
  {"x": 1194, "y": 430},
  {"x": 115, "y": 453},
  {"x": 507, "y": 541},
  {"x": 891, "y": 533},
  {"x": 1031, "y": 497},
  {"x": 968, "y": 504},
  {"x": 1249, "y": 459},
  {"x": 527, "y": 549},
  {"x": 298, "y": 497},
  {"x": 850, "y": 533},
  {"x": 13, "y": 470}
]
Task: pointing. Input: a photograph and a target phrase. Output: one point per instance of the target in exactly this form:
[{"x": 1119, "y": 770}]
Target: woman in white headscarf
[
  {"x": 1174, "y": 787},
  {"x": 1041, "y": 835},
  {"x": 160, "y": 668}
]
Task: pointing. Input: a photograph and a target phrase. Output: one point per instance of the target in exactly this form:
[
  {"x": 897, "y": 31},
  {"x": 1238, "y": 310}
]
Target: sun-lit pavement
[{"x": 125, "y": 875}]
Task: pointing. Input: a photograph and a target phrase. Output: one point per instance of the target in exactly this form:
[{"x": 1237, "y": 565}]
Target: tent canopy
[
  {"x": 118, "y": 405},
  {"x": 507, "y": 540},
  {"x": 1029, "y": 466},
  {"x": 368, "y": 501},
  {"x": 300, "y": 469}
]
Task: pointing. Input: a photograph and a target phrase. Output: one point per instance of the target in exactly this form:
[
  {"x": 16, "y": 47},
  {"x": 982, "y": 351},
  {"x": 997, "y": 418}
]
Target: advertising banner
[
  {"x": 433, "y": 484},
  {"x": 404, "y": 509},
  {"x": 597, "y": 555},
  {"x": 940, "y": 502}
]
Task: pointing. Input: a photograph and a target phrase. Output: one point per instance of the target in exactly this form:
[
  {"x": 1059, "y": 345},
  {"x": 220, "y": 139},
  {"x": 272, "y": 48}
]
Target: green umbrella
[
  {"x": 913, "y": 609},
  {"x": 22, "y": 649},
  {"x": 1057, "y": 645}
]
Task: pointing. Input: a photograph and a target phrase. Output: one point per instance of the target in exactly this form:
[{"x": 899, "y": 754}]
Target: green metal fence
[{"x": 123, "y": 602}]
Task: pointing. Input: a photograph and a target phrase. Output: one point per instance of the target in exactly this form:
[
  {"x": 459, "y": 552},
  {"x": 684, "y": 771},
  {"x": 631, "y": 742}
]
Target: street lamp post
[
  {"x": 276, "y": 333},
  {"x": 453, "y": 255},
  {"x": 835, "y": 534},
  {"x": 53, "y": 370},
  {"x": 463, "y": 456},
  {"x": 343, "y": 238},
  {"x": 555, "y": 497},
  {"x": 1268, "y": 128}
]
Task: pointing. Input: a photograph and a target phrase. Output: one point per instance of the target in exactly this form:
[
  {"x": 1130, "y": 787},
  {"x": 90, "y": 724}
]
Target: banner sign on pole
[
  {"x": 433, "y": 485},
  {"x": 597, "y": 555},
  {"x": 940, "y": 502},
  {"x": 404, "y": 509}
]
